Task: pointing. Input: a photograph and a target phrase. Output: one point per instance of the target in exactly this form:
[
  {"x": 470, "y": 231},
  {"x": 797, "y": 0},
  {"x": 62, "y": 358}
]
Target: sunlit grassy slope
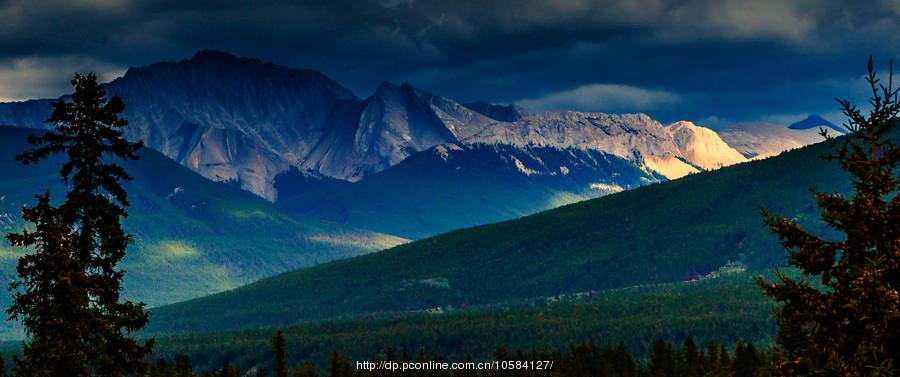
[{"x": 192, "y": 237}]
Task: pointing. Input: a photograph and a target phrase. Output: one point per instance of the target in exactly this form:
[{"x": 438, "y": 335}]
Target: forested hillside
[
  {"x": 669, "y": 232},
  {"x": 192, "y": 236},
  {"x": 726, "y": 310}
]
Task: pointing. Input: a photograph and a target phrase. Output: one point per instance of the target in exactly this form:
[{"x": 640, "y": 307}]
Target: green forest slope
[
  {"x": 668, "y": 232},
  {"x": 193, "y": 236},
  {"x": 724, "y": 309}
]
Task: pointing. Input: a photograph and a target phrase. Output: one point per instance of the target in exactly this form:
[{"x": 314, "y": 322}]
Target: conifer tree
[
  {"x": 279, "y": 367},
  {"x": 746, "y": 360},
  {"x": 67, "y": 294},
  {"x": 623, "y": 363},
  {"x": 662, "y": 361},
  {"x": 712, "y": 356},
  {"x": 693, "y": 359},
  {"x": 338, "y": 366},
  {"x": 852, "y": 320}
]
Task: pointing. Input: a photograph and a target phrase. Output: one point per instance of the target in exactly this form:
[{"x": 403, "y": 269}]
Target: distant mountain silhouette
[{"x": 815, "y": 121}]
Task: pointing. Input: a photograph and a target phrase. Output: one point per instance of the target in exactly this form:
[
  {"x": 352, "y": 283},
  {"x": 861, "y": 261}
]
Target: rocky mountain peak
[
  {"x": 386, "y": 89},
  {"x": 702, "y": 147},
  {"x": 210, "y": 55},
  {"x": 502, "y": 113},
  {"x": 265, "y": 117}
]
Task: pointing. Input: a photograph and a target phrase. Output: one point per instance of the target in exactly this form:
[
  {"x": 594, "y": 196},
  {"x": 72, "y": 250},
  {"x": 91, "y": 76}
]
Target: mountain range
[
  {"x": 510, "y": 170},
  {"x": 244, "y": 120}
]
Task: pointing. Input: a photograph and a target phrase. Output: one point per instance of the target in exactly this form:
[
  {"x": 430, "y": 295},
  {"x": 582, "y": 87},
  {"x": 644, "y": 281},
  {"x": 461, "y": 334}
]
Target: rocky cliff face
[
  {"x": 702, "y": 147},
  {"x": 230, "y": 155},
  {"x": 503, "y": 113},
  {"x": 634, "y": 137},
  {"x": 244, "y": 120},
  {"x": 265, "y": 117},
  {"x": 365, "y": 137}
]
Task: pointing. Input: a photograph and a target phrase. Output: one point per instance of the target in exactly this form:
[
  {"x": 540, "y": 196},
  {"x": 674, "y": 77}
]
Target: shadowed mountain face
[
  {"x": 502, "y": 113},
  {"x": 366, "y": 137},
  {"x": 239, "y": 119},
  {"x": 225, "y": 117},
  {"x": 452, "y": 186},
  {"x": 816, "y": 122}
]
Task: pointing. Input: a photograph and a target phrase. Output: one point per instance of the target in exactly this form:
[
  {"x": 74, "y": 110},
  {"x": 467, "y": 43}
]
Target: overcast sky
[{"x": 710, "y": 61}]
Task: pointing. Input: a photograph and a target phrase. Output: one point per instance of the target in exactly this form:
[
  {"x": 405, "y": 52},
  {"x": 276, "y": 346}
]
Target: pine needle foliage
[
  {"x": 843, "y": 319},
  {"x": 67, "y": 295}
]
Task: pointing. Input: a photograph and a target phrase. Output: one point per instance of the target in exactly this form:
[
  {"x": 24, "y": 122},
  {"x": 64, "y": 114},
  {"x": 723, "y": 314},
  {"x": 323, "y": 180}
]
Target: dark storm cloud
[{"x": 698, "y": 59}]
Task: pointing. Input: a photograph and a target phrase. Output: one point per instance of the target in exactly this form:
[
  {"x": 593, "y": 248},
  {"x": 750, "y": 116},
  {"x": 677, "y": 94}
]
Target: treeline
[
  {"x": 725, "y": 310},
  {"x": 589, "y": 360}
]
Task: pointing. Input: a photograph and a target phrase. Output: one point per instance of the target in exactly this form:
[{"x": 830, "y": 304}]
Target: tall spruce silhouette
[
  {"x": 849, "y": 325},
  {"x": 67, "y": 294},
  {"x": 279, "y": 345}
]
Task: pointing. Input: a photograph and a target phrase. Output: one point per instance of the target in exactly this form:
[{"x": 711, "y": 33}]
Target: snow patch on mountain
[
  {"x": 443, "y": 150},
  {"x": 608, "y": 187},
  {"x": 522, "y": 168}
]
